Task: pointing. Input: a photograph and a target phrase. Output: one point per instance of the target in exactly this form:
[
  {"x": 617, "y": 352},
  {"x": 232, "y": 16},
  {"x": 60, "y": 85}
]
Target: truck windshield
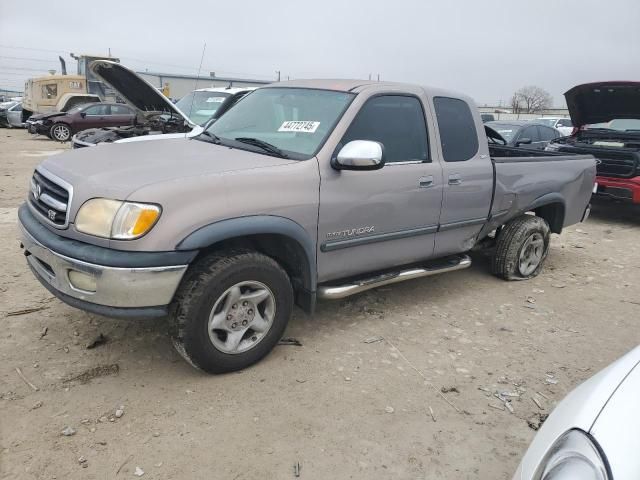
[
  {"x": 296, "y": 121},
  {"x": 619, "y": 124},
  {"x": 200, "y": 106}
]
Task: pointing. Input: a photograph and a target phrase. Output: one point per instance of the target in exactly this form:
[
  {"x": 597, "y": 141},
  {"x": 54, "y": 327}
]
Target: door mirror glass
[
  {"x": 524, "y": 141},
  {"x": 360, "y": 155},
  {"x": 83, "y": 114}
]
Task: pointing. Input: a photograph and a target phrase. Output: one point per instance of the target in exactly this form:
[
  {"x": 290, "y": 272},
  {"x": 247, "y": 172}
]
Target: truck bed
[{"x": 527, "y": 179}]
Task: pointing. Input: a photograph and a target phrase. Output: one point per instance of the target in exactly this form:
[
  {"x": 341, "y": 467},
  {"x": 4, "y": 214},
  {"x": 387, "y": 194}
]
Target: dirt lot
[{"x": 340, "y": 407}]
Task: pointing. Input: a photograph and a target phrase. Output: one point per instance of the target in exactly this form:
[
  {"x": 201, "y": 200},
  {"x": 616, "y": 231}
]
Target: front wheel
[
  {"x": 521, "y": 248},
  {"x": 231, "y": 310},
  {"x": 60, "y": 132}
]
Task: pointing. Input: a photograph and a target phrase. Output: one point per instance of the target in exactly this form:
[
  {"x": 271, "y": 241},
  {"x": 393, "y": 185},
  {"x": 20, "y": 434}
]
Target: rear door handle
[
  {"x": 426, "y": 182},
  {"x": 455, "y": 179}
]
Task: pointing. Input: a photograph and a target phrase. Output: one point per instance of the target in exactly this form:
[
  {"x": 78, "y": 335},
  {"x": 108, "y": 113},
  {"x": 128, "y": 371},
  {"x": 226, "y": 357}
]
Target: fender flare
[{"x": 239, "y": 227}]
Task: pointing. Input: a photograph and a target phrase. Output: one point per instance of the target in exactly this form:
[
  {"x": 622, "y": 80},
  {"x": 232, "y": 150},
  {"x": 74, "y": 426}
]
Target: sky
[{"x": 484, "y": 48}]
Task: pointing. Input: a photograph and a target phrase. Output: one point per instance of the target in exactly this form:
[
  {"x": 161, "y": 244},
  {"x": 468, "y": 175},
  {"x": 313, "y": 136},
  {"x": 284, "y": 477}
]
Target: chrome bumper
[{"x": 114, "y": 286}]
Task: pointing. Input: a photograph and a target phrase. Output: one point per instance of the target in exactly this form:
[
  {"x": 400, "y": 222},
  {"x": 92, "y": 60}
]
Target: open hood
[
  {"x": 603, "y": 101},
  {"x": 138, "y": 93}
]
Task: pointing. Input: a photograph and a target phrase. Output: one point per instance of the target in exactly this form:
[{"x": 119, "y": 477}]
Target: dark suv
[{"x": 61, "y": 126}]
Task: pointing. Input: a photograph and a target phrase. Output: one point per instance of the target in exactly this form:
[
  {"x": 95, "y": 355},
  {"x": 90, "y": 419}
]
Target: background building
[{"x": 180, "y": 85}]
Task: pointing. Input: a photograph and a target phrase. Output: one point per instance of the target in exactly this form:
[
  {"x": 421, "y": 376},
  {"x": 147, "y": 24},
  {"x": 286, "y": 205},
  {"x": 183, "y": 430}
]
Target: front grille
[
  {"x": 49, "y": 199},
  {"x": 612, "y": 163}
]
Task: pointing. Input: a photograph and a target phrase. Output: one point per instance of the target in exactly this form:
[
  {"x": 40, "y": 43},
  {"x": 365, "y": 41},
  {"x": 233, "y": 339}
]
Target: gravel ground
[{"x": 338, "y": 406}]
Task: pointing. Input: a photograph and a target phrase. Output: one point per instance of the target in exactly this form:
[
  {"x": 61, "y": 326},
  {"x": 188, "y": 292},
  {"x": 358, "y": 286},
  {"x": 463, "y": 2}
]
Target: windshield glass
[
  {"x": 295, "y": 120},
  {"x": 619, "y": 124},
  {"x": 505, "y": 130},
  {"x": 200, "y": 106}
]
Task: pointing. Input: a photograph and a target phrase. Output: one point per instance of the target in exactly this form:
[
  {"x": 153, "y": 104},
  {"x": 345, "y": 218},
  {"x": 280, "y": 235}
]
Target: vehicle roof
[
  {"x": 354, "y": 85},
  {"x": 230, "y": 90}
]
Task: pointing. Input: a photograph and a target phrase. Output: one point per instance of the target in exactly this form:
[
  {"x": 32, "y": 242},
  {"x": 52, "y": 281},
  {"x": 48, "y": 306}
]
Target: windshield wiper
[
  {"x": 214, "y": 138},
  {"x": 266, "y": 146}
]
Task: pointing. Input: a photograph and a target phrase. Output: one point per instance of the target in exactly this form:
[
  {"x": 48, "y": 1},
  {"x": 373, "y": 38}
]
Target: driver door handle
[
  {"x": 455, "y": 179},
  {"x": 426, "y": 182}
]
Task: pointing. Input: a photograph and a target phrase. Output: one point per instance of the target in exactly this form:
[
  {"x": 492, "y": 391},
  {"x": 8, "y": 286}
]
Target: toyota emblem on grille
[
  {"x": 51, "y": 214},
  {"x": 37, "y": 191}
]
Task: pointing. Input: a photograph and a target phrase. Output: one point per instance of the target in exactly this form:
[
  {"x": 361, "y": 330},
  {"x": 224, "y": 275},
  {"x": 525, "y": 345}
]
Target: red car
[
  {"x": 606, "y": 117},
  {"x": 61, "y": 126}
]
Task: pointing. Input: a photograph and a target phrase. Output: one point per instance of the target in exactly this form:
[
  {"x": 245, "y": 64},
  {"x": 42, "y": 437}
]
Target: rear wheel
[
  {"x": 521, "y": 248},
  {"x": 231, "y": 310},
  {"x": 60, "y": 132}
]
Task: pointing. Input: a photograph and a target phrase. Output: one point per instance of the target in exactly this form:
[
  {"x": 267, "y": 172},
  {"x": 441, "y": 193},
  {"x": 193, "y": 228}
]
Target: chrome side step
[{"x": 450, "y": 264}]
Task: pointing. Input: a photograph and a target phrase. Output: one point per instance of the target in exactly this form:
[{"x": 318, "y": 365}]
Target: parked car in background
[
  {"x": 487, "y": 117},
  {"x": 594, "y": 432},
  {"x": 61, "y": 126},
  {"x": 525, "y": 134},
  {"x": 303, "y": 190},
  {"x": 156, "y": 116},
  {"x": 607, "y": 120},
  {"x": 11, "y": 114},
  {"x": 563, "y": 125}
]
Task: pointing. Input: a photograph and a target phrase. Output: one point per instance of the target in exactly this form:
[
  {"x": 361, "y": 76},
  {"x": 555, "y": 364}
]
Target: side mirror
[
  {"x": 83, "y": 114},
  {"x": 359, "y": 155},
  {"x": 523, "y": 141}
]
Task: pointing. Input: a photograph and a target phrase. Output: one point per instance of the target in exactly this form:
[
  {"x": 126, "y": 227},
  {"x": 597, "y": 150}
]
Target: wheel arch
[
  {"x": 551, "y": 207},
  {"x": 280, "y": 238}
]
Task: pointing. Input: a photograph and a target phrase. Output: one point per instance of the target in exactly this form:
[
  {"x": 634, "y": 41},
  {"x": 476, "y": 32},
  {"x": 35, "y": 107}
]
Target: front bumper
[
  {"x": 118, "y": 290},
  {"x": 37, "y": 128},
  {"x": 627, "y": 189}
]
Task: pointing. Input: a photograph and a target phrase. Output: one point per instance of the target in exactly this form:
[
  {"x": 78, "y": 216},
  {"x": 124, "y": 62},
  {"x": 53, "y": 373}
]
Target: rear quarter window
[{"x": 457, "y": 129}]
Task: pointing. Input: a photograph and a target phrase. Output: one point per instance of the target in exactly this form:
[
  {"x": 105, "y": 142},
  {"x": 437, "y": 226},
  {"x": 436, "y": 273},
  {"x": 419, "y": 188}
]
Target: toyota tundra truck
[{"x": 304, "y": 190}]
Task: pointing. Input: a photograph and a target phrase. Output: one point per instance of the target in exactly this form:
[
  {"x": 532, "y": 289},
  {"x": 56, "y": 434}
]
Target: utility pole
[
  {"x": 278, "y": 72},
  {"x": 378, "y": 77},
  {"x": 369, "y": 77}
]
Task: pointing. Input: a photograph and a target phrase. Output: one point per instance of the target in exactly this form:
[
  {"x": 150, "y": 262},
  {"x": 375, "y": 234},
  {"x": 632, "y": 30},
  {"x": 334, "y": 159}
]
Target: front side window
[
  {"x": 547, "y": 134},
  {"x": 295, "y": 120},
  {"x": 50, "y": 90},
  {"x": 397, "y": 122},
  {"x": 457, "y": 129},
  {"x": 97, "y": 110},
  {"x": 120, "y": 110},
  {"x": 564, "y": 122},
  {"x": 530, "y": 133}
]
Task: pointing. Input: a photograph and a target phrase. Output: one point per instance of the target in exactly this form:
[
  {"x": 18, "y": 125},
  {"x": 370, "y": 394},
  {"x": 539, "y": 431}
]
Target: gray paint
[{"x": 200, "y": 185}]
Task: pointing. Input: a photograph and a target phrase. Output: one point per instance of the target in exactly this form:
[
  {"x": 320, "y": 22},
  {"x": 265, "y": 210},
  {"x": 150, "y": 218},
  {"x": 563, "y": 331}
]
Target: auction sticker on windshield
[
  {"x": 215, "y": 99},
  {"x": 299, "y": 126}
]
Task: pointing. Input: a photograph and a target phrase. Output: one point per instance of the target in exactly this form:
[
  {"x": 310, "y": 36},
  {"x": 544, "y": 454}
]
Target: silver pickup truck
[{"x": 303, "y": 190}]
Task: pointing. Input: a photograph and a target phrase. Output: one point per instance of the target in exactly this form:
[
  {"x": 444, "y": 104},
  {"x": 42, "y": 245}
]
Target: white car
[
  {"x": 157, "y": 118},
  {"x": 562, "y": 124},
  {"x": 594, "y": 433}
]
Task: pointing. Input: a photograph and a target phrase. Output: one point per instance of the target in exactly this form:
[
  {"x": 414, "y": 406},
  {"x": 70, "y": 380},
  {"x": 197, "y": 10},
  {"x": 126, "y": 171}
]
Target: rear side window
[
  {"x": 396, "y": 121},
  {"x": 457, "y": 129}
]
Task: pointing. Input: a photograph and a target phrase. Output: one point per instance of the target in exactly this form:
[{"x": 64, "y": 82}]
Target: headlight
[
  {"x": 115, "y": 219},
  {"x": 573, "y": 456}
]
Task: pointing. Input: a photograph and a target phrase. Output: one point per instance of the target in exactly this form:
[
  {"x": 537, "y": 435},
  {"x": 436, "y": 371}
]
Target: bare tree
[{"x": 530, "y": 99}]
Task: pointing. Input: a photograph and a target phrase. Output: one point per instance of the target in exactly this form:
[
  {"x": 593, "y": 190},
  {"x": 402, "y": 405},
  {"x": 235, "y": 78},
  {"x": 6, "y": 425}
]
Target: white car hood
[
  {"x": 584, "y": 407},
  {"x": 617, "y": 428}
]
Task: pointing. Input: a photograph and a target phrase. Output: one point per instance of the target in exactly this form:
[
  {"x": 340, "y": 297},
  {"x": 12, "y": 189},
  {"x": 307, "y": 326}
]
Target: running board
[{"x": 448, "y": 264}]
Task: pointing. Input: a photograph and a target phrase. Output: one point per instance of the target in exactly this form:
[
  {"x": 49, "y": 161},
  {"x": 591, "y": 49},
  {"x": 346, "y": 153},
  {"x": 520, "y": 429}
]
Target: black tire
[
  {"x": 60, "y": 132},
  {"x": 511, "y": 240},
  {"x": 204, "y": 284}
]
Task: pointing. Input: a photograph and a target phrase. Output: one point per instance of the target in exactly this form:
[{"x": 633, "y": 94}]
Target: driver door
[{"x": 377, "y": 219}]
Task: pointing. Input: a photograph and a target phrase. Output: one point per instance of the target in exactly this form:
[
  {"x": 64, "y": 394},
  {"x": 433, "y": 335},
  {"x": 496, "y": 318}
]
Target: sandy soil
[{"x": 326, "y": 404}]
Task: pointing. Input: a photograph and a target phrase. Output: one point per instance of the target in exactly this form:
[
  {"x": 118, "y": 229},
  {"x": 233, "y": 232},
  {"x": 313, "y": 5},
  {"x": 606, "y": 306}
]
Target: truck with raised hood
[
  {"x": 606, "y": 119},
  {"x": 304, "y": 190}
]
